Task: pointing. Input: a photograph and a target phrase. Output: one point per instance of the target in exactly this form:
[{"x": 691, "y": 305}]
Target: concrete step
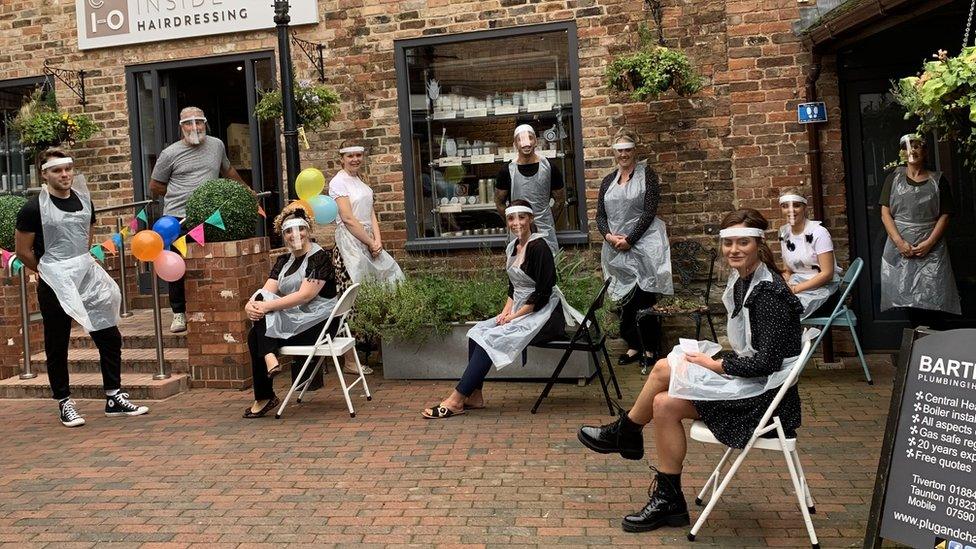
[
  {"x": 137, "y": 332},
  {"x": 89, "y": 386},
  {"x": 134, "y": 361}
]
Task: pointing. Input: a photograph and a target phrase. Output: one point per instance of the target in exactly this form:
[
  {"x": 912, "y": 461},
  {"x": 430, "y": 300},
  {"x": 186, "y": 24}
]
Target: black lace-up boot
[
  {"x": 620, "y": 437},
  {"x": 666, "y": 507}
]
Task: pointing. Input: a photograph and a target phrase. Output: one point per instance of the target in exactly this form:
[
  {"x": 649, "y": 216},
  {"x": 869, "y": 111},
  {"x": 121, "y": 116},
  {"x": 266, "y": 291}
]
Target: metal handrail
[{"x": 124, "y": 206}]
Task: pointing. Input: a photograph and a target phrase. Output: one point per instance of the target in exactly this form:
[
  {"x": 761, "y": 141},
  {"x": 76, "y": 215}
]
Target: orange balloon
[
  {"x": 304, "y": 204},
  {"x": 147, "y": 245}
]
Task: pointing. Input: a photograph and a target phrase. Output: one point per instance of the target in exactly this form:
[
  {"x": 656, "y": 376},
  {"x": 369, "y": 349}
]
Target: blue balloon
[
  {"x": 324, "y": 207},
  {"x": 168, "y": 228}
]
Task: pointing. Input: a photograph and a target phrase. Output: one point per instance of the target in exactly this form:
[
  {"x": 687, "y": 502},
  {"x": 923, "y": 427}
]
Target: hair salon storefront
[{"x": 434, "y": 157}]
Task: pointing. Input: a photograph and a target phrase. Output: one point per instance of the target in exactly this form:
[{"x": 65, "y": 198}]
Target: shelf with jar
[{"x": 446, "y": 161}]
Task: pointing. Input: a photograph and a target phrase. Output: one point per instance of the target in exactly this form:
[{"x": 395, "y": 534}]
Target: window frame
[
  {"x": 417, "y": 243},
  {"x": 45, "y": 81}
]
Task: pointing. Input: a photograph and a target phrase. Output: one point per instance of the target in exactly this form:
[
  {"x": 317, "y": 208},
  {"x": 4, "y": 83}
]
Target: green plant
[
  {"x": 237, "y": 206},
  {"x": 10, "y": 204},
  {"x": 652, "y": 70},
  {"x": 41, "y": 124},
  {"x": 315, "y": 105},
  {"x": 943, "y": 98}
]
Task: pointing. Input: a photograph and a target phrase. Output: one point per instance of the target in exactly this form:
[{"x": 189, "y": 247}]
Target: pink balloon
[{"x": 169, "y": 266}]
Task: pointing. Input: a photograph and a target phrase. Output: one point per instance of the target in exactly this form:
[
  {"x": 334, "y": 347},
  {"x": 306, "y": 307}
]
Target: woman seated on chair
[
  {"x": 292, "y": 307},
  {"x": 534, "y": 312},
  {"x": 808, "y": 256},
  {"x": 764, "y": 330}
]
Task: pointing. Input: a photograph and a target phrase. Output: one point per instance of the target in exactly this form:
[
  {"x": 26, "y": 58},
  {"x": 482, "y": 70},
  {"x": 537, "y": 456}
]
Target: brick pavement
[{"x": 193, "y": 472}]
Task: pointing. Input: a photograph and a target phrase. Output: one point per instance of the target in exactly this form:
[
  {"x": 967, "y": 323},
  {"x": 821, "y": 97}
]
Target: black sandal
[
  {"x": 441, "y": 412},
  {"x": 271, "y": 405},
  {"x": 626, "y": 359}
]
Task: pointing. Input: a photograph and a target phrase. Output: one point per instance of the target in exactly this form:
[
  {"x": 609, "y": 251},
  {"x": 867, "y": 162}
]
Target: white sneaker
[
  {"x": 69, "y": 414},
  {"x": 179, "y": 323}
]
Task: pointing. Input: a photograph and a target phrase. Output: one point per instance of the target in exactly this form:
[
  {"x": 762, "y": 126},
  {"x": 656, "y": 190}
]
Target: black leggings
[
  {"x": 649, "y": 330},
  {"x": 474, "y": 375},
  {"x": 260, "y": 344}
]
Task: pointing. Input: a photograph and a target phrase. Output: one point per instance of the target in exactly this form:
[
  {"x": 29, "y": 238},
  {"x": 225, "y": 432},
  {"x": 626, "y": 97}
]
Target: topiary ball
[
  {"x": 237, "y": 205},
  {"x": 10, "y": 204}
]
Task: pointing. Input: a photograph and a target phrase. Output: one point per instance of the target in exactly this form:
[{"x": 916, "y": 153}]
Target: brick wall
[{"x": 734, "y": 143}]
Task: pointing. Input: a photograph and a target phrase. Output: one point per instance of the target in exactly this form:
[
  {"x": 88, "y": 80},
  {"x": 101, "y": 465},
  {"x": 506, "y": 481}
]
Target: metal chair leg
[
  {"x": 603, "y": 384},
  {"x": 553, "y": 378},
  {"x": 857, "y": 345},
  {"x": 711, "y": 326},
  {"x": 613, "y": 375}
]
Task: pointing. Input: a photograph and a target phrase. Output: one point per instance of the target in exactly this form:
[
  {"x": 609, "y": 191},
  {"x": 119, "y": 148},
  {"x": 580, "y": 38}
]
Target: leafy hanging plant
[
  {"x": 652, "y": 70},
  {"x": 41, "y": 124},
  {"x": 943, "y": 98},
  {"x": 315, "y": 105}
]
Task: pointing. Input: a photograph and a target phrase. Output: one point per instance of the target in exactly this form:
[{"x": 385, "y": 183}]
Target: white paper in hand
[{"x": 688, "y": 345}]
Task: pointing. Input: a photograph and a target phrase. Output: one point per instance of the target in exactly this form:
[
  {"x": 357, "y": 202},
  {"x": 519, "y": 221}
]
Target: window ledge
[{"x": 475, "y": 242}]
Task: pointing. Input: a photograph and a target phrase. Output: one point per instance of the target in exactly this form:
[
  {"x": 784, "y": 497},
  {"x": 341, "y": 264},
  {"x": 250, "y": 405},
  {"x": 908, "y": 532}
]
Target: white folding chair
[
  {"x": 328, "y": 346},
  {"x": 768, "y": 423}
]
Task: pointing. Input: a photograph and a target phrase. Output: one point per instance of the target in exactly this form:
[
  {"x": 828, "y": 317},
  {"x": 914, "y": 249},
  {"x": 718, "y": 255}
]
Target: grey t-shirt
[{"x": 184, "y": 167}]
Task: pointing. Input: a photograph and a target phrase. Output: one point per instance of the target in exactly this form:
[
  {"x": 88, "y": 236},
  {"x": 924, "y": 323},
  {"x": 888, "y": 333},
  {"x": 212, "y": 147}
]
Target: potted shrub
[
  {"x": 652, "y": 70},
  {"x": 41, "y": 124},
  {"x": 10, "y": 204},
  {"x": 423, "y": 321},
  {"x": 220, "y": 278},
  {"x": 10, "y": 320},
  {"x": 943, "y": 98}
]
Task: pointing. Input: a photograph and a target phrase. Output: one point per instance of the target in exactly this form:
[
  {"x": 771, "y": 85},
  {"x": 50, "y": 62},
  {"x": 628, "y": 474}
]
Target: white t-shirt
[
  {"x": 359, "y": 194},
  {"x": 800, "y": 251}
]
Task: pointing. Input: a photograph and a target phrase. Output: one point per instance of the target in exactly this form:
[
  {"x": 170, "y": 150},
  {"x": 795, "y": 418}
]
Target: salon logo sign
[{"x": 106, "y": 23}]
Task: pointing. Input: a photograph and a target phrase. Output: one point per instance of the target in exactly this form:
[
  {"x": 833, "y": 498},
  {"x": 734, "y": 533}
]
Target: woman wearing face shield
[
  {"x": 636, "y": 253},
  {"x": 731, "y": 394},
  {"x": 534, "y": 312},
  {"x": 808, "y": 257},
  {"x": 291, "y": 308},
  {"x": 358, "y": 237},
  {"x": 916, "y": 273}
]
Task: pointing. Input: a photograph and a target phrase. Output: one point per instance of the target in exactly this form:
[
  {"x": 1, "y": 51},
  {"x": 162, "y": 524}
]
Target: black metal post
[{"x": 292, "y": 161}]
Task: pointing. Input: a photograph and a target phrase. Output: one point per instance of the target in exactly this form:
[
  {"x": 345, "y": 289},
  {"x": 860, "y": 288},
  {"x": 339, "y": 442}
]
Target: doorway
[{"x": 872, "y": 125}]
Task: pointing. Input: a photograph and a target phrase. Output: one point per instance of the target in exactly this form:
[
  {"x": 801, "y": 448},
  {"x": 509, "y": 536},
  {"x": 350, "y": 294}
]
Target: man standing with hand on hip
[
  {"x": 54, "y": 237},
  {"x": 180, "y": 169}
]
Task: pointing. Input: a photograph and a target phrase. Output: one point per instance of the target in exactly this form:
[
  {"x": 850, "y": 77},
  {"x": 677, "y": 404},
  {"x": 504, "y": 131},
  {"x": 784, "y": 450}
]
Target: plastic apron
[
  {"x": 287, "y": 323},
  {"x": 802, "y": 262},
  {"x": 87, "y": 293},
  {"x": 360, "y": 264},
  {"x": 505, "y": 343},
  {"x": 693, "y": 382},
  {"x": 919, "y": 282},
  {"x": 647, "y": 263},
  {"x": 537, "y": 190}
]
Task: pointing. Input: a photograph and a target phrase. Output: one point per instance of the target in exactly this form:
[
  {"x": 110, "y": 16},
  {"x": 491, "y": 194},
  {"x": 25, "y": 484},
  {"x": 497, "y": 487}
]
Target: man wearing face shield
[
  {"x": 180, "y": 169},
  {"x": 531, "y": 177},
  {"x": 915, "y": 270}
]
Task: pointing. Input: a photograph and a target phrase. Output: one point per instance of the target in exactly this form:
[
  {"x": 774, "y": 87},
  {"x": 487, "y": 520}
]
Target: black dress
[{"x": 774, "y": 318}]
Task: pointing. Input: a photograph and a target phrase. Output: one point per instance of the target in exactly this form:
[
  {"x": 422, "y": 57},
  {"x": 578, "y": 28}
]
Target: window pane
[
  {"x": 15, "y": 159},
  {"x": 466, "y": 98}
]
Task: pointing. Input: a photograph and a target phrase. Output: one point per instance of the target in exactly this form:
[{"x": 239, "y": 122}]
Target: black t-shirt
[
  {"x": 946, "y": 203},
  {"x": 29, "y": 217},
  {"x": 319, "y": 268},
  {"x": 503, "y": 181}
]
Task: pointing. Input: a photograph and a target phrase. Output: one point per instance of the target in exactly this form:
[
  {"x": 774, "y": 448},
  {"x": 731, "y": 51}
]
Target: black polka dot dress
[{"x": 774, "y": 318}]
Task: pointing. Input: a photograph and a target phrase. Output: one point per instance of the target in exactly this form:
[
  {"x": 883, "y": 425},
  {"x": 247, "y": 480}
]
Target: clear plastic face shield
[
  {"x": 525, "y": 139},
  {"x": 351, "y": 158},
  {"x": 194, "y": 128},
  {"x": 295, "y": 234},
  {"x": 58, "y": 172},
  {"x": 914, "y": 147},
  {"x": 794, "y": 207},
  {"x": 740, "y": 245},
  {"x": 519, "y": 218},
  {"x": 623, "y": 152}
]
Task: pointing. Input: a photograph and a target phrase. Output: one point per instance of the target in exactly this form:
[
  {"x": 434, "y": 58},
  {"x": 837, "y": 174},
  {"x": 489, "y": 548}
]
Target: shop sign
[
  {"x": 106, "y": 23},
  {"x": 928, "y": 495}
]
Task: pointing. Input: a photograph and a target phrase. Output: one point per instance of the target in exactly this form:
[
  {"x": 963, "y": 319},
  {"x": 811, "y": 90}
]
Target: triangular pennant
[
  {"x": 6, "y": 257},
  {"x": 117, "y": 239},
  {"x": 124, "y": 233},
  {"x": 142, "y": 216},
  {"x": 134, "y": 225},
  {"x": 16, "y": 265},
  {"x": 98, "y": 252},
  {"x": 180, "y": 245},
  {"x": 261, "y": 212},
  {"x": 216, "y": 220},
  {"x": 196, "y": 233},
  {"x": 109, "y": 246}
]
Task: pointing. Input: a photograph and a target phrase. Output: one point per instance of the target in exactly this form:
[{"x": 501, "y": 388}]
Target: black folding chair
[{"x": 591, "y": 339}]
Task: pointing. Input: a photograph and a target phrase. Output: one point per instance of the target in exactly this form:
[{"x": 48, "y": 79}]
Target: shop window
[
  {"x": 461, "y": 98},
  {"x": 15, "y": 159}
]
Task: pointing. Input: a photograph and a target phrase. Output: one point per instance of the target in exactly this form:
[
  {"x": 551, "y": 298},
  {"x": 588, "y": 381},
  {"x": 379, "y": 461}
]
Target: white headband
[
  {"x": 792, "y": 198},
  {"x": 293, "y": 222},
  {"x": 193, "y": 119},
  {"x": 740, "y": 231},
  {"x": 524, "y": 128},
  {"x": 355, "y": 149},
  {"x": 518, "y": 209},
  {"x": 623, "y": 146},
  {"x": 57, "y": 162}
]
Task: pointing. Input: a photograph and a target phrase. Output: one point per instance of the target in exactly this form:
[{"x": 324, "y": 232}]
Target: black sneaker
[
  {"x": 69, "y": 415},
  {"x": 118, "y": 405}
]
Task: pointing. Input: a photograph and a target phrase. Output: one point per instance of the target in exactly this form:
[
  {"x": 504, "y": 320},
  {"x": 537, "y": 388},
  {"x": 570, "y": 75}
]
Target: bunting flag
[
  {"x": 142, "y": 216},
  {"x": 134, "y": 225},
  {"x": 117, "y": 239},
  {"x": 180, "y": 245},
  {"x": 98, "y": 252},
  {"x": 216, "y": 220},
  {"x": 196, "y": 233},
  {"x": 16, "y": 265},
  {"x": 261, "y": 212},
  {"x": 6, "y": 258},
  {"x": 109, "y": 246},
  {"x": 124, "y": 234}
]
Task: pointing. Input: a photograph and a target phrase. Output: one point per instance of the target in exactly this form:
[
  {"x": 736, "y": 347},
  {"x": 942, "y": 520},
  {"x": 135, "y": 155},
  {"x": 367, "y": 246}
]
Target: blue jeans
[{"x": 479, "y": 364}]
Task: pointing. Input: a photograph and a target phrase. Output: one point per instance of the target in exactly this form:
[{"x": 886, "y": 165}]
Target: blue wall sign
[{"x": 809, "y": 113}]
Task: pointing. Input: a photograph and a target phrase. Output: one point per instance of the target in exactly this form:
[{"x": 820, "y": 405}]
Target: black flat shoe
[
  {"x": 271, "y": 405},
  {"x": 626, "y": 359}
]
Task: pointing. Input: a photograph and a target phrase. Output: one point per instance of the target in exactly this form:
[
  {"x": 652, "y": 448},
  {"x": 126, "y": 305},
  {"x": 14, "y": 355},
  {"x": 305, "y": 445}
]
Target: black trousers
[
  {"x": 649, "y": 329},
  {"x": 177, "y": 295},
  {"x": 260, "y": 344},
  {"x": 57, "y": 334},
  {"x": 474, "y": 375}
]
